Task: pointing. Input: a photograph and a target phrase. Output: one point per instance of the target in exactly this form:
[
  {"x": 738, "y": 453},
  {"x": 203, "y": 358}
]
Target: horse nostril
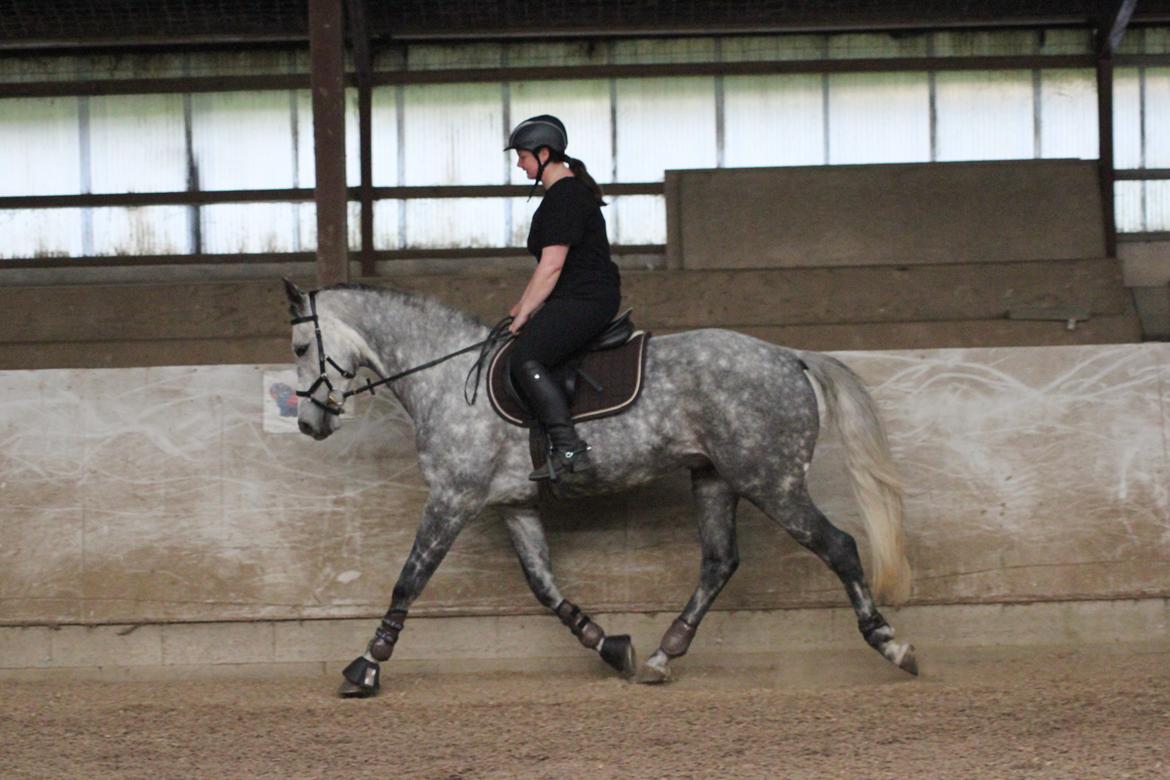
[{"x": 305, "y": 428}]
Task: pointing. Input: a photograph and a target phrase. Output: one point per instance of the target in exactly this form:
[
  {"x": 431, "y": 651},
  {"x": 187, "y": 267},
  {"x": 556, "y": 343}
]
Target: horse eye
[{"x": 300, "y": 351}]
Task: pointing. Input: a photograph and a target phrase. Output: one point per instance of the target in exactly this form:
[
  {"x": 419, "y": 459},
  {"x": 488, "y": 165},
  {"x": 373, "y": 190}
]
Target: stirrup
[{"x": 559, "y": 462}]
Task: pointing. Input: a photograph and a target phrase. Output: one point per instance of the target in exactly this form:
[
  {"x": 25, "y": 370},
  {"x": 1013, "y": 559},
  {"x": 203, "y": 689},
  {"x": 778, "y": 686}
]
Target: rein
[{"x": 335, "y": 402}]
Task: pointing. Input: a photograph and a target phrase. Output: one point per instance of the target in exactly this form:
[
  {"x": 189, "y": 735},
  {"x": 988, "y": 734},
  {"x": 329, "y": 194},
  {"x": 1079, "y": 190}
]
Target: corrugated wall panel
[
  {"x": 1157, "y": 117},
  {"x": 1068, "y": 114},
  {"x": 139, "y": 66},
  {"x": 773, "y": 120},
  {"x": 880, "y": 117},
  {"x": 39, "y": 149},
  {"x": 765, "y": 48},
  {"x": 1157, "y": 205},
  {"x": 852, "y": 45},
  {"x": 1157, "y": 135},
  {"x": 549, "y": 53},
  {"x": 467, "y": 55},
  {"x": 1127, "y": 206},
  {"x": 640, "y": 219},
  {"x": 384, "y": 126},
  {"x": 40, "y": 233},
  {"x": 664, "y": 124},
  {"x": 243, "y": 62},
  {"x": 249, "y": 227},
  {"x": 387, "y": 232},
  {"x": 151, "y": 230},
  {"x": 584, "y": 107},
  {"x": 984, "y": 116},
  {"x": 465, "y": 222},
  {"x": 1155, "y": 40},
  {"x": 1066, "y": 42},
  {"x": 34, "y": 68},
  {"x": 1127, "y": 119},
  {"x": 452, "y": 135},
  {"x": 663, "y": 50},
  {"x": 522, "y": 210},
  {"x": 137, "y": 143},
  {"x": 243, "y": 140},
  {"x": 967, "y": 43},
  {"x": 661, "y": 124}
]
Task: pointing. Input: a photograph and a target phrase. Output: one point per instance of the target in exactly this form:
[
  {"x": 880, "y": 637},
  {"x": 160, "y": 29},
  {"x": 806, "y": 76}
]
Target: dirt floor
[{"x": 1047, "y": 713}]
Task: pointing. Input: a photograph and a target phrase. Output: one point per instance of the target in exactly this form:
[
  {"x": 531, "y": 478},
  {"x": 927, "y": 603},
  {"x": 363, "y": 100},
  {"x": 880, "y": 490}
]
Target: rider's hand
[
  {"x": 514, "y": 310},
  {"x": 518, "y": 322}
]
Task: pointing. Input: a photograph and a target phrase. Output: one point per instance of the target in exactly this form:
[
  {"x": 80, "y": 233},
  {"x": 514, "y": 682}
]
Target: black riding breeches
[{"x": 561, "y": 327}]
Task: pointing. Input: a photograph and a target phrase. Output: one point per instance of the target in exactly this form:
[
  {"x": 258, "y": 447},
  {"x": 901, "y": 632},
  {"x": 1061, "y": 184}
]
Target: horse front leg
[
  {"x": 529, "y": 541},
  {"x": 441, "y": 523},
  {"x": 715, "y": 505}
]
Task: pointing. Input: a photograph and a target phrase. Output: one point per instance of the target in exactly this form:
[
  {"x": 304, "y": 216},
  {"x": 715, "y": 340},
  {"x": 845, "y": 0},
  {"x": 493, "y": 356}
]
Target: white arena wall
[{"x": 171, "y": 516}]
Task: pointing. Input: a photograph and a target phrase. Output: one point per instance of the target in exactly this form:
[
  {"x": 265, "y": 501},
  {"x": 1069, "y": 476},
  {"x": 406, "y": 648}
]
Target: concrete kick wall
[
  {"x": 884, "y": 214},
  {"x": 182, "y": 494}
]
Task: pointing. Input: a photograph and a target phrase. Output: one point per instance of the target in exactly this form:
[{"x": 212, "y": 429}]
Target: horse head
[{"x": 328, "y": 353}]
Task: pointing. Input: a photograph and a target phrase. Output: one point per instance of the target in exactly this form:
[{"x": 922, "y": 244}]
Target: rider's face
[{"x": 527, "y": 162}]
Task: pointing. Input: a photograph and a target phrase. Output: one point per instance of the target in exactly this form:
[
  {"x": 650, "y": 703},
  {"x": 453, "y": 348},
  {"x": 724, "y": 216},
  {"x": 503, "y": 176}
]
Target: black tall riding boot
[{"x": 567, "y": 454}]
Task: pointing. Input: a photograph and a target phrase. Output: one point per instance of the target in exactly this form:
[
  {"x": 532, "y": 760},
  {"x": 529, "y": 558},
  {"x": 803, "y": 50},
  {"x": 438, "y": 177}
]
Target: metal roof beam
[{"x": 1117, "y": 23}]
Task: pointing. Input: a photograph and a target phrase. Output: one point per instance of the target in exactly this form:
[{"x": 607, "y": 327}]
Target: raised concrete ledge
[{"x": 525, "y": 643}]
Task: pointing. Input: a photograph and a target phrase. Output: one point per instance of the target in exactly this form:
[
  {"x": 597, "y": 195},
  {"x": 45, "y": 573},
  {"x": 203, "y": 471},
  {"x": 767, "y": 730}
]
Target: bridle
[{"x": 335, "y": 400}]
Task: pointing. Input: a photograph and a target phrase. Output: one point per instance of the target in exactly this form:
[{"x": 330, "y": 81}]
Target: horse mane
[{"x": 424, "y": 304}]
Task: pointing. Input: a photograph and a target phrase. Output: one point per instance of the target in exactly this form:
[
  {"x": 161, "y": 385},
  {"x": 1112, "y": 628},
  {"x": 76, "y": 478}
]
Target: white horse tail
[{"x": 872, "y": 473}]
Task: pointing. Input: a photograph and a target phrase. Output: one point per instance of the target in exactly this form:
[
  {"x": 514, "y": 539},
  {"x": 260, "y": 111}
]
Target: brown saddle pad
[{"x": 617, "y": 371}]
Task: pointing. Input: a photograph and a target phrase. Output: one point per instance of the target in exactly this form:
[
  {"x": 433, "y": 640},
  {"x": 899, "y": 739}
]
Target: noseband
[{"x": 335, "y": 401}]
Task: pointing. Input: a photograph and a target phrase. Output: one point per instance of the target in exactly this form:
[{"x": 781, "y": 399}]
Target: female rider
[{"x": 575, "y": 290}]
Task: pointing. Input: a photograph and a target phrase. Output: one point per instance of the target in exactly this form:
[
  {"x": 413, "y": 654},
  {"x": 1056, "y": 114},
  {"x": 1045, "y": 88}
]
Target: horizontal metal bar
[
  {"x": 138, "y": 199},
  {"x": 212, "y": 197},
  {"x": 254, "y": 83},
  {"x": 117, "y": 261},
  {"x": 456, "y": 253},
  {"x": 157, "y": 86},
  {"x": 1163, "y": 235},
  {"x": 1141, "y": 174},
  {"x": 662, "y": 70}
]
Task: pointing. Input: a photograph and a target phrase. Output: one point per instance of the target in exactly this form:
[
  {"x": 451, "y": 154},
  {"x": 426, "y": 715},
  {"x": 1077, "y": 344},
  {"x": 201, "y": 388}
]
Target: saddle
[{"x": 603, "y": 379}]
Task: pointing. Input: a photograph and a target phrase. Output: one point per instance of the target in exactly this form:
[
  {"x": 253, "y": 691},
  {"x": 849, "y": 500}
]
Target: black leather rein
[{"x": 335, "y": 402}]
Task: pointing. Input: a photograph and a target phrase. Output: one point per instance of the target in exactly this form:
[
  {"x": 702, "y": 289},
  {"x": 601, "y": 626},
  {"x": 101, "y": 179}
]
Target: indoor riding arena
[{"x": 967, "y": 203}]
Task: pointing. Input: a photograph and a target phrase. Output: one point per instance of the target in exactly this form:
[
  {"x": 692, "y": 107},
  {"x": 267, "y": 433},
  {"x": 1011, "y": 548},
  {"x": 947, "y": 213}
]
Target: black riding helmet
[
  {"x": 533, "y": 134},
  {"x": 543, "y": 130}
]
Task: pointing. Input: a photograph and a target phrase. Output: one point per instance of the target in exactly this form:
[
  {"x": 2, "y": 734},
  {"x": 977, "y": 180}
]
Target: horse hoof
[
  {"x": 350, "y": 691},
  {"x": 909, "y": 663},
  {"x": 618, "y": 652},
  {"x": 649, "y": 674},
  {"x": 902, "y": 656},
  {"x": 361, "y": 679}
]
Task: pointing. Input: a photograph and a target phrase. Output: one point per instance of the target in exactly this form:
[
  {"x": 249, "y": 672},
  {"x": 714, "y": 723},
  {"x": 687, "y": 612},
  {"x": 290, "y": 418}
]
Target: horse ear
[{"x": 296, "y": 298}]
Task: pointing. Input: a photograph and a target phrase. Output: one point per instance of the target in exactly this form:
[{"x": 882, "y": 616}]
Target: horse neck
[{"x": 402, "y": 332}]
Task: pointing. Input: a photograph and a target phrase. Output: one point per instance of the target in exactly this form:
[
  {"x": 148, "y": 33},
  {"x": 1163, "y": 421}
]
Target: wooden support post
[
  {"x": 1110, "y": 32},
  {"x": 327, "y": 81},
  {"x": 1105, "y": 151},
  {"x": 359, "y": 36}
]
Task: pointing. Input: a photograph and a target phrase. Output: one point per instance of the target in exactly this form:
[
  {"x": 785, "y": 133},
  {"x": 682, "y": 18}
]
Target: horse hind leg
[
  {"x": 797, "y": 513},
  {"x": 531, "y": 547},
  {"x": 715, "y": 503}
]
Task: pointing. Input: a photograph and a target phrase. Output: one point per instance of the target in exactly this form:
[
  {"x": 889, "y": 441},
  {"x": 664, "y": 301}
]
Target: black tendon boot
[{"x": 567, "y": 453}]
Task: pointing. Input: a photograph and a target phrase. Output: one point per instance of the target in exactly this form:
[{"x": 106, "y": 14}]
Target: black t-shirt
[{"x": 570, "y": 215}]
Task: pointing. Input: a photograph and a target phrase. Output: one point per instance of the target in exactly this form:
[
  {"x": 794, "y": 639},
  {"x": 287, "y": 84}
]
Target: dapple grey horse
[{"x": 739, "y": 413}]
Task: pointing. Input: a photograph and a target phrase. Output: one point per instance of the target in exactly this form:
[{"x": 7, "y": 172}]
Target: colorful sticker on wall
[{"x": 280, "y": 401}]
